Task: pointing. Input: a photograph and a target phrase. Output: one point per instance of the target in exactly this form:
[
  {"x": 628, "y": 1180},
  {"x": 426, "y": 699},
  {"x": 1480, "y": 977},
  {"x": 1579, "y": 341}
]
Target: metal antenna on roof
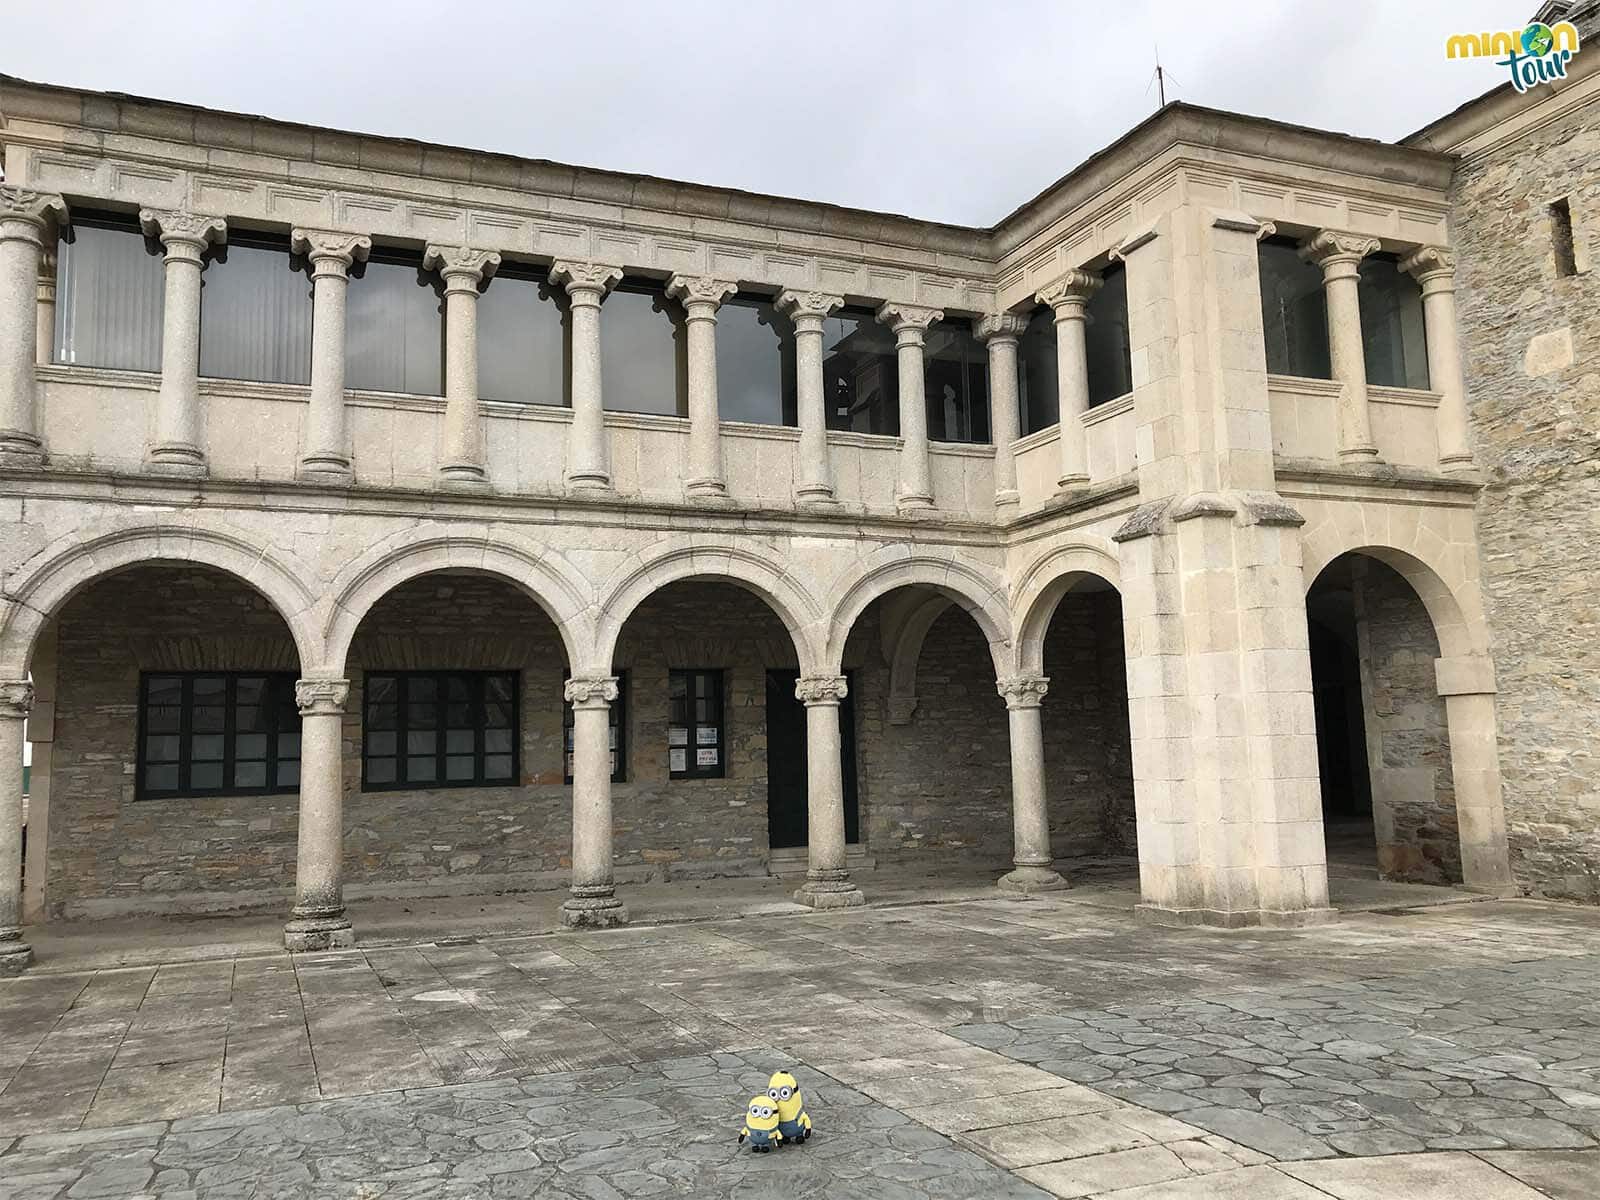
[{"x": 1159, "y": 79}]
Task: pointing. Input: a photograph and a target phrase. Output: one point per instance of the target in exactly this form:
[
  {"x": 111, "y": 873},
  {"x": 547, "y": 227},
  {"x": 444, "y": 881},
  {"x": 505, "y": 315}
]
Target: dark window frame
[
  {"x": 619, "y": 723},
  {"x": 270, "y": 704},
  {"x": 691, "y": 771},
  {"x": 402, "y": 782}
]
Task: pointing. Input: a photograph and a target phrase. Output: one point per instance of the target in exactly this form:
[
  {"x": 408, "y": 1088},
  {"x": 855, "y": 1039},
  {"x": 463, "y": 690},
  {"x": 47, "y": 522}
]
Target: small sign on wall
[
  {"x": 704, "y": 757},
  {"x": 679, "y": 759}
]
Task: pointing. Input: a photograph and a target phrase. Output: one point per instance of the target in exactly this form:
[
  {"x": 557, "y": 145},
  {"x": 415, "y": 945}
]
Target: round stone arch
[
  {"x": 539, "y": 573},
  {"x": 975, "y": 589},
  {"x": 1041, "y": 587},
  {"x": 763, "y": 576},
  {"x": 1459, "y": 636},
  {"x": 38, "y": 588}
]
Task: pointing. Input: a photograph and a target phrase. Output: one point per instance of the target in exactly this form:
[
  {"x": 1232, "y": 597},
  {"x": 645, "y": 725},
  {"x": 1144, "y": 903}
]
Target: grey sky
[{"x": 950, "y": 111}]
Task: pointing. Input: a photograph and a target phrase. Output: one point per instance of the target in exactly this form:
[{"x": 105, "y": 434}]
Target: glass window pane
[
  {"x": 161, "y": 749},
  {"x": 380, "y": 770},
  {"x": 640, "y": 333},
  {"x": 383, "y": 716},
  {"x": 421, "y": 770},
  {"x": 458, "y": 716},
  {"x": 522, "y": 342},
  {"x": 497, "y": 741},
  {"x": 247, "y": 717},
  {"x": 205, "y": 777},
  {"x": 166, "y": 718},
  {"x": 422, "y": 687},
  {"x": 956, "y": 376},
  {"x": 288, "y": 773},
  {"x": 1391, "y": 324},
  {"x": 426, "y": 715},
  {"x": 255, "y": 315},
  {"x": 381, "y": 689},
  {"x": 458, "y": 688},
  {"x": 210, "y": 719},
  {"x": 755, "y": 363},
  {"x": 394, "y": 329},
  {"x": 459, "y": 767},
  {"x": 498, "y": 766},
  {"x": 421, "y": 741},
  {"x": 250, "y": 745},
  {"x": 1110, "y": 361},
  {"x": 498, "y": 687},
  {"x": 164, "y": 689},
  {"x": 109, "y": 298},
  {"x": 1040, "y": 375},
  {"x": 499, "y": 715},
  {"x": 288, "y": 745},
  {"x": 381, "y": 743},
  {"x": 250, "y": 775},
  {"x": 161, "y": 778},
  {"x": 210, "y": 689},
  {"x": 860, "y": 377},
  {"x": 248, "y": 689},
  {"x": 207, "y": 746},
  {"x": 460, "y": 741},
  {"x": 1294, "y": 315}
]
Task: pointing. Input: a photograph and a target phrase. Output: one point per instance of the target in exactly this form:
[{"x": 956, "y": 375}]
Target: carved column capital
[
  {"x": 1337, "y": 252},
  {"x": 1434, "y": 267},
  {"x": 701, "y": 292},
  {"x": 1068, "y": 295},
  {"x": 909, "y": 321},
  {"x": 821, "y": 689},
  {"x": 595, "y": 691},
  {"x": 185, "y": 234},
  {"x": 801, "y": 306},
  {"x": 463, "y": 267},
  {"x": 999, "y": 325},
  {"x": 330, "y": 252},
  {"x": 1023, "y": 691},
  {"x": 16, "y": 699},
  {"x": 586, "y": 282},
  {"x": 25, "y": 213},
  {"x": 321, "y": 697}
]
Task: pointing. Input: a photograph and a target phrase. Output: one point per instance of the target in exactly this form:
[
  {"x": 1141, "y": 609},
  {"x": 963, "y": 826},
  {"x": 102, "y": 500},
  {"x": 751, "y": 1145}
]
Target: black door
[{"x": 786, "y": 764}]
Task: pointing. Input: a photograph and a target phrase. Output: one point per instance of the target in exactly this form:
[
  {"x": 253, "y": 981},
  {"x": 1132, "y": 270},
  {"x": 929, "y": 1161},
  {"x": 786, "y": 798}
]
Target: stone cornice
[
  {"x": 1434, "y": 265},
  {"x": 1335, "y": 247},
  {"x": 1072, "y": 291},
  {"x": 591, "y": 278}
]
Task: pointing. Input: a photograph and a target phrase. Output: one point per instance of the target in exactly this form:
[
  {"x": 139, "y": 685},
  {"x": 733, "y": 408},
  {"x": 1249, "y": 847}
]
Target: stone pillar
[
  {"x": 45, "y": 308},
  {"x": 1030, "y": 812},
  {"x": 701, "y": 297},
  {"x": 588, "y": 457},
  {"x": 1000, "y": 332},
  {"x": 910, "y": 324},
  {"x": 593, "y": 901},
  {"x": 1339, "y": 255},
  {"x": 828, "y": 883},
  {"x": 16, "y": 700},
  {"x": 177, "y": 449},
  {"x": 25, "y": 223},
  {"x": 1434, "y": 268},
  {"x": 1468, "y": 687},
  {"x": 318, "y": 921},
  {"x": 1068, "y": 297},
  {"x": 325, "y": 454},
  {"x": 814, "y": 482},
  {"x": 463, "y": 269}
]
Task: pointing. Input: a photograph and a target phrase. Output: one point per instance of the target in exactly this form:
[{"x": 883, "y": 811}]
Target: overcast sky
[{"x": 943, "y": 110}]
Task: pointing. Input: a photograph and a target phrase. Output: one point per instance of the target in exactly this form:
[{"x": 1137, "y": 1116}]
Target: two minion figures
[{"x": 777, "y": 1117}]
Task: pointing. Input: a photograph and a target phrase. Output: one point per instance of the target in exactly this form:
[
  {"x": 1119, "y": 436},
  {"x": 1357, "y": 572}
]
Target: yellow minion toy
[
  {"x": 794, "y": 1122},
  {"x": 761, "y": 1125}
]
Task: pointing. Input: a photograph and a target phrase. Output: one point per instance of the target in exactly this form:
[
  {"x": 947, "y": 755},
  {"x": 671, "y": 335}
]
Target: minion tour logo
[{"x": 1538, "y": 54}]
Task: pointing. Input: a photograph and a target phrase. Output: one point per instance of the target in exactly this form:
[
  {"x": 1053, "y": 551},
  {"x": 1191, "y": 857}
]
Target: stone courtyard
[{"x": 1441, "y": 1046}]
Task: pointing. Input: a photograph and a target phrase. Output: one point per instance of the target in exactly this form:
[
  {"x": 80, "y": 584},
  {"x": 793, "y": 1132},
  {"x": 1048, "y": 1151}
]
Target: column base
[
  {"x": 318, "y": 929},
  {"x": 914, "y": 502},
  {"x": 463, "y": 477},
  {"x": 1071, "y": 483},
  {"x": 1454, "y": 463},
  {"x": 593, "y": 908},
  {"x": 1249, "y": 918},
  {"x": 19, "y": 449},
  {"x": 176, "y": 459},
  {"x": 706, "y": 489},
  {"x": 15, "y": 954},
  {"x": 820, "y": 494},
  {"x": 595, "y": 483},
  {"x": 1007, "y": 498},
  {"x": 325, "y": 468},
  {"x": 829, "y": 889},
  {"x": 1359, "y": 454},
  {"x": 1028, "y": 879}
]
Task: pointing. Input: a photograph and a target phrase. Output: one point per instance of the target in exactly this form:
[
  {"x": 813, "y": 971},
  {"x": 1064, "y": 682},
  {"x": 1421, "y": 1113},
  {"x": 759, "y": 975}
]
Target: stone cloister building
[{"x": 393, "y": 519}]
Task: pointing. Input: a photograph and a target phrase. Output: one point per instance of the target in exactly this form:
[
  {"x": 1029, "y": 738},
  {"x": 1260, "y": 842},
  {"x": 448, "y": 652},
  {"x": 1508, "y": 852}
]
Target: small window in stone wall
[
  {"x": 217, "y": 734},
  {"x": 1565, "y": 248},
  {"x": 439, "y": 729},
  {"x": 696, "y": 735},
  {"x": 619, "y": 734}
]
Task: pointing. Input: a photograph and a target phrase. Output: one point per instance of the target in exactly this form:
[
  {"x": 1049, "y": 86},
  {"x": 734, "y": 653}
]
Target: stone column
[
  {"x": 16, "y": 700},
  {"x": 1030, "y": 811},
  {"x": 588, "y": 457},
  {"x": 814, "y": 482},
  {"x": 1468, "y": 686},
  {"x": 325, "y": 456},
  {"x": 1068, "y": 297},
  {"x": 910, "y": 324},
  {"x": 318, "y": 921},
  {"x": 593, "y": 901},
  {"x": 701, "y": 297},
  {"x": 25, "y": 222},
  {"x": 1000, "y": 332},
  {"x": 1434, "y": 268},
  {"x": 1339, "y": 255},
  {"x": 45, "y": 308},
  {"x": 177, "y": 449},
  {"x": 828, "y": 883},
  {"x": 463, "y": 269}
]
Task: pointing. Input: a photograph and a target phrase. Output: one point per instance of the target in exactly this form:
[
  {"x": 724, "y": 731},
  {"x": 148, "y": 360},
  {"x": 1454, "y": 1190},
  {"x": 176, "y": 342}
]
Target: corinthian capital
[
  {"x": 32, "y": 208},
  {"x": 183, "y": 229},
  {"x": 464, "y": 266},
  {"x": 999, "y": 325},
  {"x": 592, "y": 692},
  {"x": 903, "y": 317},
  {"x": 1333, "y": 247},
  {"x": 16, "y": 699},
  {"x": 1023, "y": 691},
  {"x": 321, "y": 697},
  {"x": 821, "y": 689},
  {"x": 594, "y": 279},
  {"x": 1431, "y": 264},
  {"x": 330, "y": 246},
  {"x": 1072, "y": 291},
  {"x": 696, "y": 290},
  {"x": 796, "y": 304}
]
